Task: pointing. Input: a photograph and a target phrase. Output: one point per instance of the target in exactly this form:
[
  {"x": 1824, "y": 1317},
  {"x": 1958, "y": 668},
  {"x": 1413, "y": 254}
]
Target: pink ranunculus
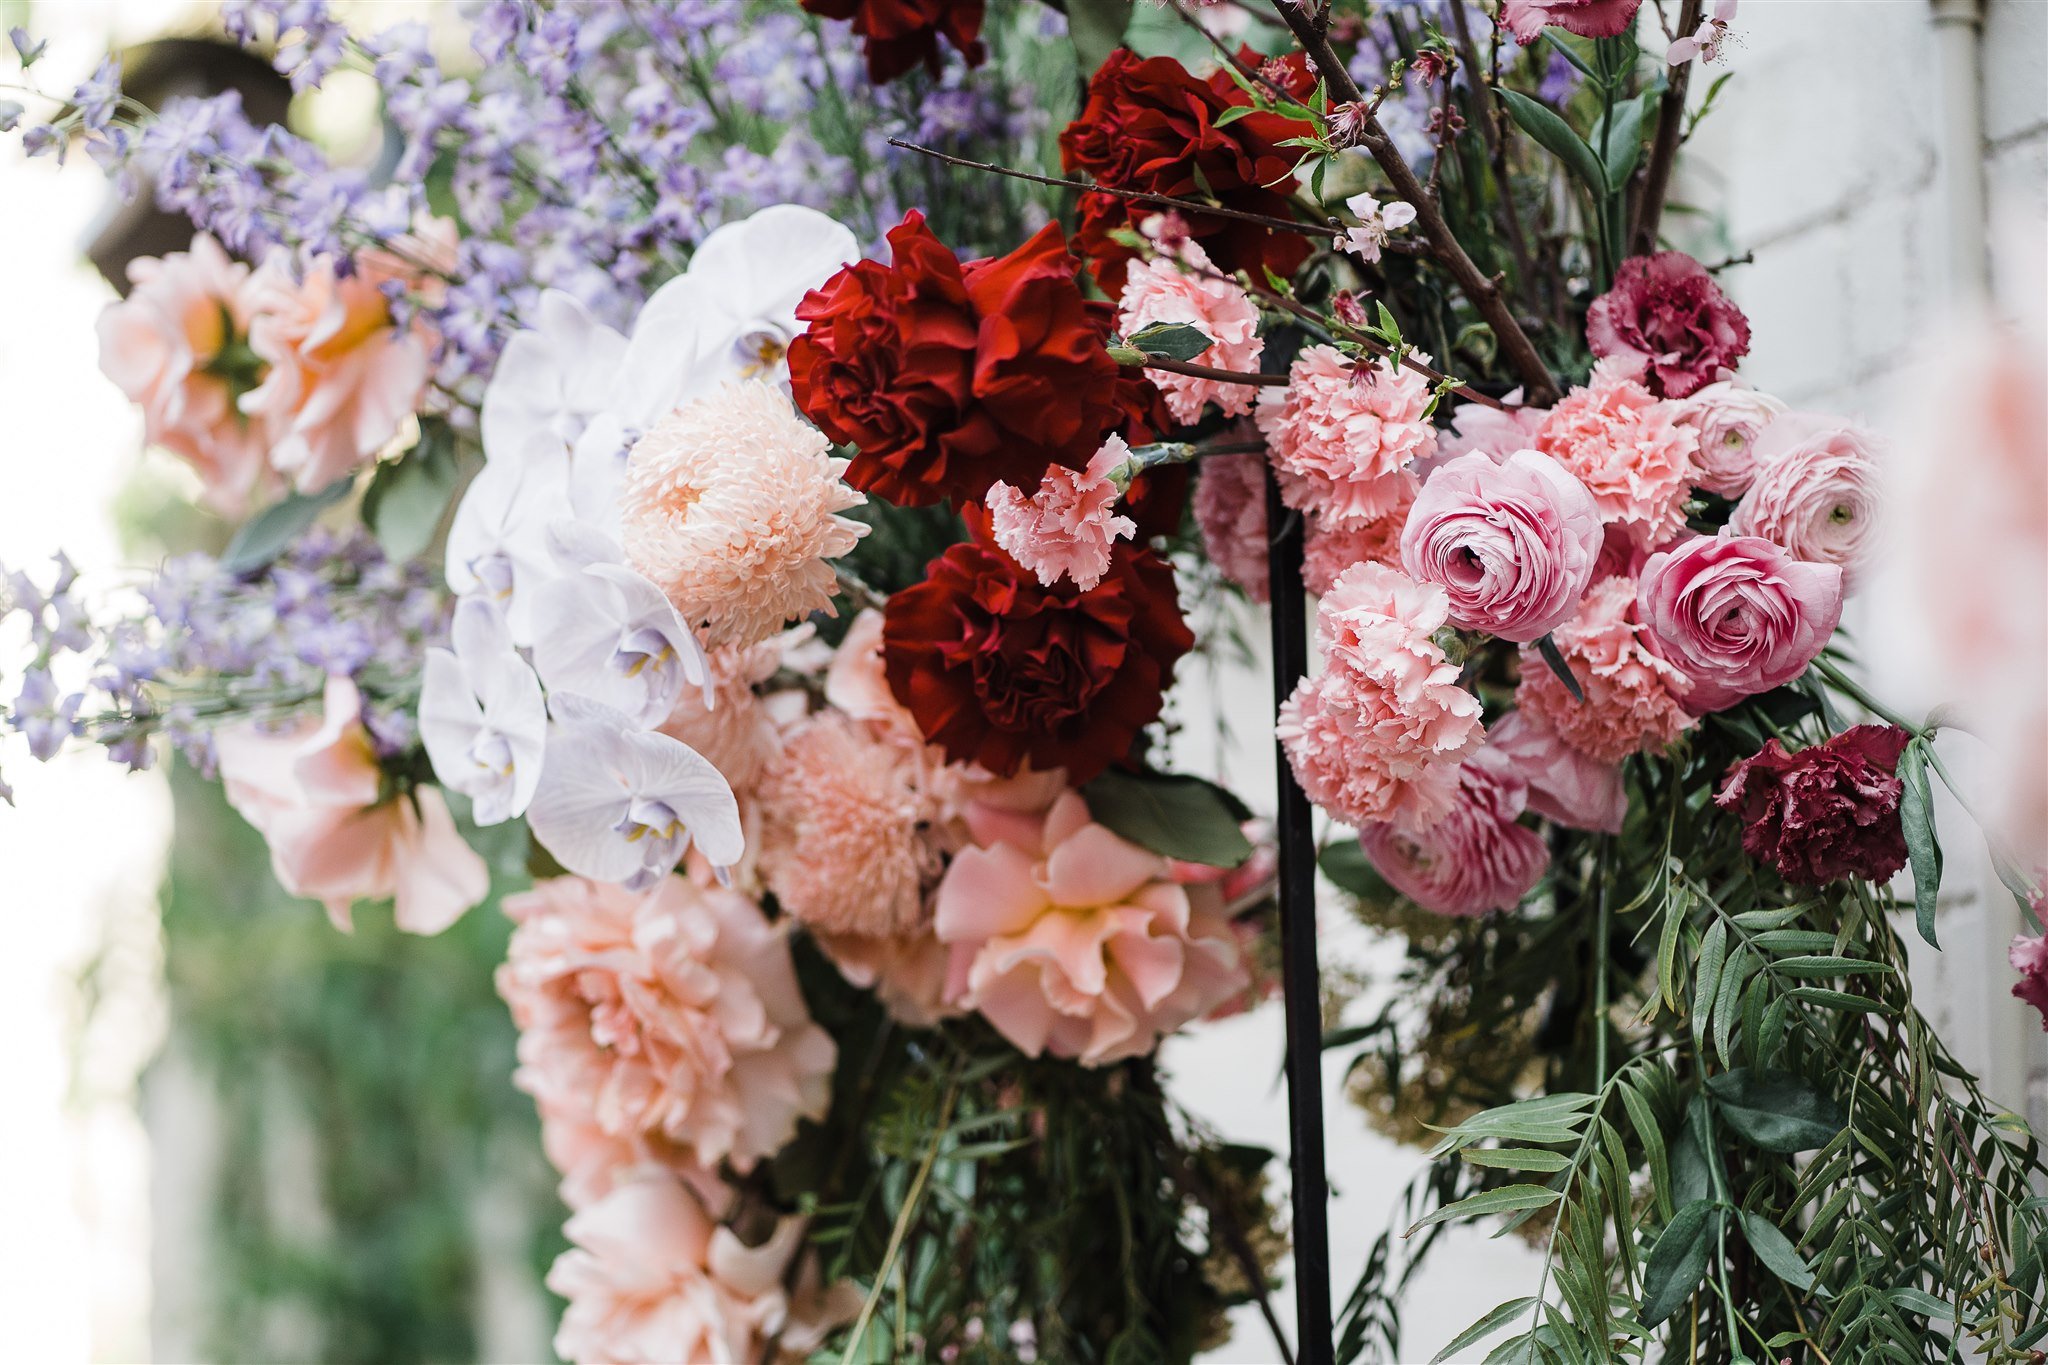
[
  {"x": 1230, "y": 512},
  {"x": 1476, "y": 858},
  {"x": 670, "y": 1016},
  {"x": 1736, "y": 615},
  {"x": 1587, "y": 18},
  {"x": 313, "y": 792},
  {"x": 1631, "y": 703},
  {"x": 1073, "y": 941},
  {"x": 1631, "y": 451},
  {"x": 178, "y": 346},
  {"x": 1069, "y": 526},
  {"x": 1565, "y": 786},
  {"x": 1513, "y": 544},
  {"x": 1818, "y": 492},
  {"x": 1330, "y": 550},
  {"x": 1182, "y": 286},
  {"x": 1344, "y": 442},
  {"x": 1666, "y": 313},
  {"x": 1729, "y": 417}
]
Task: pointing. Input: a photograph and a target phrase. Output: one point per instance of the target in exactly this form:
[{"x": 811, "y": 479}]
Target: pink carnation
[
  {"x": 1344, "y": 441},
  {"x": 1818, "y": 492},
  {"x": 1630, "y": 702},
  {"x": 670, "y": 1016},
  {"x": 1073, "y": 941},
  {"x": 1736, "y": 615},
  {"x": 1067, "y": 528},
  {"x": 1329, "y": 551},
  {"x": 1377, "y": 625},
  {"x": 1631, "y": 452},
  {"x": 1565, "y": 786},
  {"x": 1473, "y": 860},
  {"x": 1666, "y": 313},
  {"x": 1497, "y": 431},
  {"x": 2029, "y": 957},
  {"x": 1230, "y": 512},
  {"x": 1182, "y": 287},
  {"x": 1587, "y": 18},
  {"x": 1729, "y": 418}
]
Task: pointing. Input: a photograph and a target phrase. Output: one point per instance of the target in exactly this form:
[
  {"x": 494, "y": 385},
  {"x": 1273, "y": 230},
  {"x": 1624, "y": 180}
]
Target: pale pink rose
[
  {"x": 1587, "y": 18},
  {"x": 1230, "y": 512},
  {"x": 1729, "y": 417},
  {"x": 670, "y": 1016},
  {"x": 1498, "y": 432},
  {"x": 1329, "y": 550},
  {"x": 1817, "y": 492},
  {"x": 1473, "y": 860},
  {"x": 1631, "y": 695},
  {"x": 1565, "y": 786},
  {"x": 1629, "y": 449},
  {"x": 1182, "y": 286},
  {"x": 1079, "y": 943},
  {"x": 1344, "y": 443},
  {"x": 1736, "y": 615},
  {"x": 313, "y": 792},
  {"x": 1069, "y": 526},
  {"x": 1513, "y": 544},
  {"x": 178, "y": 347}
]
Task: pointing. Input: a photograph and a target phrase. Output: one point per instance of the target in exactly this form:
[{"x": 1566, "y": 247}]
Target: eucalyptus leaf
[
  {"x": 1776, "y": 1111},
  {"x": 270, "y": 532},
  {"x": 1923, "y": 851},
  {"x": 1557, "y": 137},
  {"x": 1174, "y": 815},
  {"x": 1775, "y": 1250},
  {"x": 1506, "y": 1199},
  {"x": 1678, "y": 1262},
  {"x": 1486, "y": 1326}
]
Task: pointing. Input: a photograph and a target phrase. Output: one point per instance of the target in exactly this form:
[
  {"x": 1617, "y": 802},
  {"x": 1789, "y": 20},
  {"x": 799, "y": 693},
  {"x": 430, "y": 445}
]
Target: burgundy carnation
[
  {"x": 897, "y": 35},
  {"x": 2029, "y": 957},
  {"x": 1666, "y": 311},
  {"x": 1149, "y": 125},
  {"x": 1001, "y": 671},
  {"x": 1826, "y": 812},
  {"x": 949, "y": 377}
]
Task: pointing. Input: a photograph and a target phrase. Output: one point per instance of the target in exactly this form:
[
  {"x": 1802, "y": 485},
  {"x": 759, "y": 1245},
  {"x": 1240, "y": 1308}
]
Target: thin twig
[
  {"x": 1188, "y": 367},
  {"x": 1664, "y": 151},
  {"x": 1492, "y": 117}
]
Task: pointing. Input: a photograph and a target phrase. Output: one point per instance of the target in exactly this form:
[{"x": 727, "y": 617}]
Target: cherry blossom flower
[
  {"x": 482, "y": 718},
  {"x": 1376, "y": 223},
  {"x": 1705, "y": 42},
  {"x": 1067, "y": 528}
]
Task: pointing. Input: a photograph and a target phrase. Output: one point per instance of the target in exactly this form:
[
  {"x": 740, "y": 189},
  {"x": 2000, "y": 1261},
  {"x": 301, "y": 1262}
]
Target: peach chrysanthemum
[
  {"x": 729, "y": 507},
  {"x": 1230, "y": 510},
  {"x": 1344, "y": 442},
  {"x": 736, "y": 731},
  {"x": 1331, "y": 550},
  {"x": 1182, "y": 287},
  {"x": 1630, "y": 703},
  {"x": 1634, "y": 453}
]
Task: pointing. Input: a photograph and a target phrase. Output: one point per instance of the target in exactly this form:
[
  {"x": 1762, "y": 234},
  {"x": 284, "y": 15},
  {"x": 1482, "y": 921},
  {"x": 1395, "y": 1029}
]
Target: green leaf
[
  {"x": 1916, "y": 815},
  {"x": 1571, "y": 54},
  {"x": 1678, "y": 1262},
  {"x": 1517, "y": 1158},
  {"x": 1175, "y": 340},
  {"x": 266, "y": 536},
  {"x": 1506, "y": 1199},
  {"x": 1557, "y": 137},
  {"x": 1547, "y": 647},
  {"x": 1829, "y": 966},
  {"x": 1097, "y": 29},
  {"x": 1776, "y": 1111},
  {"x": 1486, "y": 1326},
  {"x": 1347, "y": 867},
  {"x": 406, "y": 498},
  {"x": 1925, "y": 1304},
  {"x": 1775, "y": 1250},
  {"x": 1837, "y": 1000},
  {"x": 1624, "y": 142},
  {"x": 1707, "y": 977},
  {"x": 1174, "y": 815}
]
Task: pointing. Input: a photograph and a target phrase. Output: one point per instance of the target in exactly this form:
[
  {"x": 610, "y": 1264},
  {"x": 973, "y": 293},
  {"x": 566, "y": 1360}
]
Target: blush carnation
[
  {"x": 1587, "y": 18},
  {"x": 1631, "y": 452},
  {"x": 1068, "y": 527},
  {"x": 1496, "y": 431},
  {"x": 1666, "y": 313},
  {"x": 1729, "y": 418},
  {"x": 1818, "y": 492},
  {"x": 670, "y": 1016},
  {"x": 1736, "y": 615},
  {"x": 733, "y": 728},
  {"x": 1826, "y": 812},
  {"x": 1182, "y": 287},
  {"x": 1329, "y": 551},
  {"x": 1344, "y": 441},
  {"x": 1076, "y": 942},
  {"x": 1630, "y": 702},
  {"x": 1230, "y": 512},
  {"x": 1513, "y": 544},
  {"x": 1476, "y": 858},
  {"x": 729, "y": 507}
]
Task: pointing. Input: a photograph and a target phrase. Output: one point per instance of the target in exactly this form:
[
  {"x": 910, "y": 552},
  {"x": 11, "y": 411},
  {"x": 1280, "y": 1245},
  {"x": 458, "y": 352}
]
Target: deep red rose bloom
[
  {"x": 947, "y": 377},
  {"x": 1666, "y": 311},
  {"x": 897, "y": 35},
  {"x": 1002, "y": 671},
  {"x": 1149, "y": 125},
  {"x": 1826, "y": 812}
]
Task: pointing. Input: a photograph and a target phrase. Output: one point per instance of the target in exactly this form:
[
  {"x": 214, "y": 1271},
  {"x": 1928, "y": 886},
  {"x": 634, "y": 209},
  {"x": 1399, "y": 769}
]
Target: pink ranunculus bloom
[
  {"x": 1630, "y": 450},
  {"x": 1736, "y": 615},
  {"x": 313, "y": 791},
  {"x": 1818, "y": 492},
  {"x": 1631, "y": 695},
  {"x": 670, "y": 1016},
  {"x": 1344, "y": 443},
  {"x": 1587, "y": 18},
  {"x": 1666, "y": 313},
  {"x": 1329, "y": 551},
  {"x": 1076, "y": 942},
  {"x": 1230, "y": 512},
  {"x": 178, "y": 346},
  {"x": 1182, "y": 286},
  {"x": 1729, "y": 418},
  {"x": 1069, "y": 526},
  {"x": 1476, "y": 858},
  {"x": 1513, "y": 544},
  {"x": 1565, "y": 786}
]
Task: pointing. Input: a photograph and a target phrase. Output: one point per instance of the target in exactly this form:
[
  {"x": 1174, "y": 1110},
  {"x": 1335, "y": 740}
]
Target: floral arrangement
[{"x": 708, "y": 452}]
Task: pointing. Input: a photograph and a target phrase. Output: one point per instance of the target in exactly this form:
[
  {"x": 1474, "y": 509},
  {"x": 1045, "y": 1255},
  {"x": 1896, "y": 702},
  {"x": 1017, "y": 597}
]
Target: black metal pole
[{"x": 1301, "y": 981}]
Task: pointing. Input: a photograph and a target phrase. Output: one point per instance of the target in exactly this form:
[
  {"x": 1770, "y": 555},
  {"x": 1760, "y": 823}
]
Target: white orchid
[
  {"x": 551, "y": 380},
  {"x": 498, "y": 543},
  {"x": 621, "y": 804},
  {"x": 481, "y": 715},
  {"x": 603, "y": 631}
]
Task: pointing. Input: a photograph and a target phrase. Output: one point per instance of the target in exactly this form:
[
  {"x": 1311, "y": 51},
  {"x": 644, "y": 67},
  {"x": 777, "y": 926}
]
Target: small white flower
[
  {"x": 497, "y": 544},
  {"x": 1707, "y": 40},
  {"x": 1375, "y": 224},
  {"x": 551, "y": 380},
  {"x": 603, "y": 631},
  {"x": 481, "y": 715}
]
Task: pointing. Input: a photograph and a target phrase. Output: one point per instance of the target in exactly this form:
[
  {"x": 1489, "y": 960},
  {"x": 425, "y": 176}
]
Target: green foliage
[
  {"x": 264, "y": 536},
  {"x": 408, "y": 496},
  {"x": 1172, "y": 814}
]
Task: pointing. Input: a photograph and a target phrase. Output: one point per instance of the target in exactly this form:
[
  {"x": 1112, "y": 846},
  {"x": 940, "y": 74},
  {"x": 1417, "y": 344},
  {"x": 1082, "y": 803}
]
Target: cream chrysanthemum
[{"x": 729, "y": 506}]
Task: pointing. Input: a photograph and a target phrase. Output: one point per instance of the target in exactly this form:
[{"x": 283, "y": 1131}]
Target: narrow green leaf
[
  {"x": 1822, "y": 966},
  {"x": 1644, "y": 1121},
  {"x": 1707, "y": 977},
  {"x": 1571, "y": 55},
  {"x": 1174, "y": 815},
  {"x": 1547, "y": 647},
  {"x": 1678, "y": 1262},
  {"x": 1925, "y": 1304},
  {"x": 1727, "y": 1000},
  {"x": 1485, "y": 1327},
  {"x": 1793, "y": 941},
  {"x": 1775, "y": 1250},
  {"x": 1838, "y": 1000},
  {"x": 1624, "y": 141},
  {"x": 1923, "y": 851},
  {"x": 1506, "y": 1199},
  {"x": 267, "y": 535},
  {"x": 1776, "y": 1111},
  {"x": 1516, "y": 1158},
  {"x": 1557, "y": 137}
]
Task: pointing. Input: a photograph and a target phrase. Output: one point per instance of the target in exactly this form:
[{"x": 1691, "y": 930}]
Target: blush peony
[
  {"x": 1666, "y": 313},
  {"x": 1344, "y": 441},
  {"x": 1818, "y": 492},
  {"x": 1729, "y": 418},
  {"x": 897, "y": 36},
  {"x": 1184, "y": 287},
  {"x": 1476, "y": 858},
  {"x": 1736, "y": 615},
  {"x": 1068, "y": 527},
  {"x": 1631, "y": 452},
  {"x": 1631, "y": 703},
  {"x": 1230, "y": 512},
  {"x": 1826, "y": 812}
]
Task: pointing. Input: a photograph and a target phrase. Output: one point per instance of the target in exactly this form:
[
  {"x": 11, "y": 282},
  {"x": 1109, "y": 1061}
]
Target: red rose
[
  {"x": 1666, "y": 312},
  {"x": 1149, "y": 125},
  {"x": 1004, "y": 672},
  {"x": 1828, "y": 811},
  {"x": 896, "y": 35},
  {"x": 948, "y": 377}
]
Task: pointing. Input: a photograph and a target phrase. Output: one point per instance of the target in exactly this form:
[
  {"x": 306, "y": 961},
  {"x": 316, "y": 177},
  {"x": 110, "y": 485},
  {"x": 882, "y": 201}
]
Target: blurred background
[{"x": 235, "y": 1134}]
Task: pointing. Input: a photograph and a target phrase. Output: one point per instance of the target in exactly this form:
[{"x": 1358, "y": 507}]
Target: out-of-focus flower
[
  {"x": 1476, "y": 858},
  {"x": 1587, "y": 18},
  {"x": 1736, "y": 615},
  {"x": 1376, "y": 224},
  {"x": 1081, "y": 944},
  {"x": 1183, "y": 286},
  {"x": 1230, "y": 512},
  {"x": 1068, "y": 528},
  {"x": 1631, "y": 695},
  {"x": 1344, "y": 442},
  {"x": 2029, "y": 957},
  {"x": 43, "y": 716},
  {"x": 1666, "y": 313},
  {"x": 727, "y": 721},
  {"x": 1705, "y": 42},
  {"x": 1829, "y": 811},
  {"x": 1817, "y": 492},
  {"x": 1729, "y": 418},
  {"x": 897, "y": 35},
  {"x": 1329, "y": 550},
  {"x": 481, "y": 715},
  {"x": 1565, "y": 786},
  {"x": 1631, "y": 452}
]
